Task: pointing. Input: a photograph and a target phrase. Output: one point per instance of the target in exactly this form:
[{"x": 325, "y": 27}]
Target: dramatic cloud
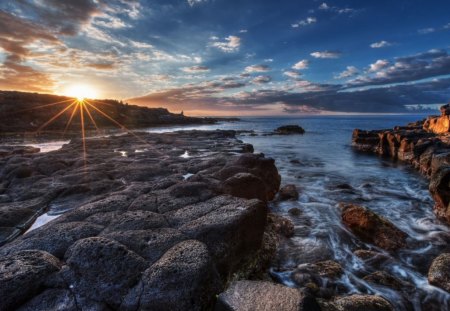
[
  {"x": 381, "y": 44},
  {"x": 195, "y": 69},
  {"x": 257, "y": 68},
  {"x": 231, "y": 44},
  {"x": 308, "y": 21},
  {"x": 326, "y": 54},
  {"x": 303, "y": 64},
  {"x": 430, "y": 64},
  {"x": 349, "y": 72}
]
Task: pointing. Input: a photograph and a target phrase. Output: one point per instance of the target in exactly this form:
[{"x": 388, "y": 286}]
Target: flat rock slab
[{"x": 150, "y": 221}]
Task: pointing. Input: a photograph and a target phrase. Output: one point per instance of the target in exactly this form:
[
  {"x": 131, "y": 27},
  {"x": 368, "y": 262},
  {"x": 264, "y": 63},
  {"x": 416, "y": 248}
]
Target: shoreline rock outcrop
[
  {"x": 154, "y": 221},
  {"x": 424, "y": 144}
]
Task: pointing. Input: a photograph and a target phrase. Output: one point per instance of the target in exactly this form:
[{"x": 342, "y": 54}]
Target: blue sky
[{"x": 233, "y": 57}]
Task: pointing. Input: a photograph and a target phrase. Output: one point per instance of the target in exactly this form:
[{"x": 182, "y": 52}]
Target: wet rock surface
[
  {"x": 424, "y": 144},
  {"x": 149, "y": 222},
  {"x": 372, "y": 228},
  {"x": 439, "y": 273}
]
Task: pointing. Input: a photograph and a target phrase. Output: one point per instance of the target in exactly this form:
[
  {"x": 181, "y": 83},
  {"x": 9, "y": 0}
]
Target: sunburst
[{"x": 80, "y": 104}]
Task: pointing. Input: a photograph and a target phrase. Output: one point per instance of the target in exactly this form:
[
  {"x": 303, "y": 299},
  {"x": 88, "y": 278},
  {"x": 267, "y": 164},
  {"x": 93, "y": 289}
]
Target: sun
[{"x": 81, "y": 92}]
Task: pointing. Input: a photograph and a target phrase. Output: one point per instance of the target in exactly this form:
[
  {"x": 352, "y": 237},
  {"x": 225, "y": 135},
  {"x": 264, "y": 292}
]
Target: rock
[
  {"x": 22, "y": 275},
  {"x": 289, "y": 130},
  {"x": 385, "y": 279},
  {"x": 232, "y": 233},
  {"x": 372, "y": 228},
  {"x": 371, "y": 257},
  {"x": 288, "y": 192},
  {"x": 51, "y": 300},
  {"x": 281, "y": 225},
  {"x": 362, "y": 302},
  {"x": 55, "y": 240},
  {"x": 440, "y": 191},
  {"x": 260, "y": 295},
  {"x": 245, "y": 185},
  {"x": 318, "y": 277},
  {"x": 137, "y": 220},
  {"x": 439, "y": 272},
  {"x": 295, "y": 211},
  {"x": 102, "y": 269},
  {"x": 183, "y": 279}
]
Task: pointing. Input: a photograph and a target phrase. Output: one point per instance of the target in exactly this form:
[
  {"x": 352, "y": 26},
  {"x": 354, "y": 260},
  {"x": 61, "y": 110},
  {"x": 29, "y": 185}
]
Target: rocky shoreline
[
  {"x": 173, "y": 221},
  {"x": 425, "y": 146}
]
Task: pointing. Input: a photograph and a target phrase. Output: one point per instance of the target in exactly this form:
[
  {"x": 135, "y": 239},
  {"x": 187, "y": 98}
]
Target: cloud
[
  {"x": 349, "y": 72},
  {"x": 302, "y": 64},
  {"x": 194, "y": 2},
  {"x": 378, "y": 65},
  {"x": 429, "y": 64},
  {"x": 381, "y": 44},
  {"x": 243, "y": 31},
  {"x": 229, "y": 45},
  {"x": 425, "y": 31},
  {"x": 262, "y": 79},
  {"x": 195, "y": 69},
  {"x": 257, "y": 68},
  {"x": 308, "y": 21},
  {"x": 326, "y": 54},
  {"x": 292, "y": 74},
  {"x": 324, "y": 6}
]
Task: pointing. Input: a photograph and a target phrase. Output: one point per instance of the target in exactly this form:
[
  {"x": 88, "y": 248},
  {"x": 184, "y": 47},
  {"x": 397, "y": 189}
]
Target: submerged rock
[
  {"x": 260, "y": 295},
  {"x": 439, "y": 272},
  {"x": 372, "y": 228}
]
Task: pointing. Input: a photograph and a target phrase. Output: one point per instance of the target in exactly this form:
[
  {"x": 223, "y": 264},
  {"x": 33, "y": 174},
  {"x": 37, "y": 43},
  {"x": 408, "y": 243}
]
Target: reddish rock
[
  {"x": 372, "y": 228},
  {"x": 281, "y": 225},
  {"x": 288, "y": 192}
]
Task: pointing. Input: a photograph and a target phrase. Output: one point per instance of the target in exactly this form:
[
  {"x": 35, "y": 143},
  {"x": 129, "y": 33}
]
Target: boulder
[
  {"x": 362, "y": 302},
  {"x": 102, "y": 269},
  {"x": 439, "y": 272},
  {"x": 245, "y": 185},
  {"x": 372, "y": 228},
  {"x": 289, "y": 130},
  {"x": 261, "y": 295},
  {"x": 22, "y": 275},
  {"x": 281, "y": 225},
  {"x": 440, "y": 191},
  {"x": 385, "y": 279},
  {"x": 183, "y": 279},
  {"x": 288, "y": 192}
]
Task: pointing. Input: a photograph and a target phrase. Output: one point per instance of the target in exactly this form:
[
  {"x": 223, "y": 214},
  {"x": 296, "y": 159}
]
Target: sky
[{"x": 233, "y": 57}]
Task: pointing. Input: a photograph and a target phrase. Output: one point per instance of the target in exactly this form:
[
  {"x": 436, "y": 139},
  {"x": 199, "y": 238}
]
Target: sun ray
[
  {"x": 83, "y": 135},
  {"x": 91, "y": 118},
  {"x": 74, "y": 111},
  {"x": 55, "y": 117},
  {"x": 41, "y": 106},
  {"x": 122, "y": 127}
]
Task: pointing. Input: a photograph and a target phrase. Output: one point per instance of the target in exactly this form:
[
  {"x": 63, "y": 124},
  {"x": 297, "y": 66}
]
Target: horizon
[{"x": 226, "y": 58}]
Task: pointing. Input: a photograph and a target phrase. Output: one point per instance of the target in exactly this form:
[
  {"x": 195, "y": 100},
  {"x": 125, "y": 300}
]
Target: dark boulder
[
  {"x": 440, "y": 191},
  {"x": 363, "y": 302},
  {"x": 183, "y": 279},
  {"x": 102, "y": 269},
  {"x": 289, "y": 130},
  {"x": 22, "y": 275}
]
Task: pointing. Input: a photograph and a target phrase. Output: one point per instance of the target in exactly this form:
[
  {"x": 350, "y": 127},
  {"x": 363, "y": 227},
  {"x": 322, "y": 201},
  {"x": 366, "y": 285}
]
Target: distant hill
[{"x": 27, "y": 112}]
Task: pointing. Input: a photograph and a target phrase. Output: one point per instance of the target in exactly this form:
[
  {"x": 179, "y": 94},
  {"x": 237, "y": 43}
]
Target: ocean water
[{"x": 327, "y": 171}]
